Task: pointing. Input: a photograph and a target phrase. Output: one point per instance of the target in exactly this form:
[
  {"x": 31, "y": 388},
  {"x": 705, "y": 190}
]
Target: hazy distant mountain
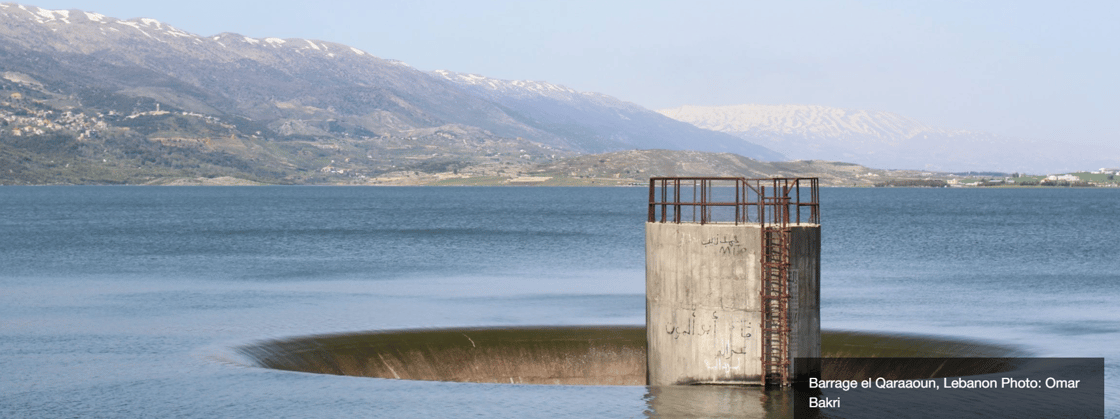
[
  {"x": 595, "y": 122},
  {"x": 876, "y": 139}
]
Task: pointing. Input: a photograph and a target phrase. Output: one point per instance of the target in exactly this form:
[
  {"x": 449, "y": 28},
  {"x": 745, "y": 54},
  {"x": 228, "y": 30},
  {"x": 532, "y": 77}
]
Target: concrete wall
[
  {"x": 805, "y": 279},
  {"x": 598, "y": 355},
  {"x": 703, "y": 308}
]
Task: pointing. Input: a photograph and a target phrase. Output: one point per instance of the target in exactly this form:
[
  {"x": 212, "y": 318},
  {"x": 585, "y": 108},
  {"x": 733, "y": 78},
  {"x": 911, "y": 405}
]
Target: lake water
[{"x": 131, "y": 301}]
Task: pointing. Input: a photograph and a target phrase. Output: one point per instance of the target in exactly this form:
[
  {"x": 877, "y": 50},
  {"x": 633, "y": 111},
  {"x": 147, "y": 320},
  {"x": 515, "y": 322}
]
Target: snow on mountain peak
[
  {"x": 42, "y": 15},
  {"x": 62, "y": 15},
  {"x": 56, "y": 19},
  {"x": 803, "y": 120},
  {"x": 519, "y": 88},
  {"x": 77, "y": 24}
]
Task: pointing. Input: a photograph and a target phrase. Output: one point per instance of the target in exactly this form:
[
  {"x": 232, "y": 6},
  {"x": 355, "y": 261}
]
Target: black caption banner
[{"x": 949, "y": 387}]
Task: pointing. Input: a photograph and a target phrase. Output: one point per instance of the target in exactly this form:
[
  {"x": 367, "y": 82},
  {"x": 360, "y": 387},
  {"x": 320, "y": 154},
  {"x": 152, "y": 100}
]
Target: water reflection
[{"x": 717, "y": 402}]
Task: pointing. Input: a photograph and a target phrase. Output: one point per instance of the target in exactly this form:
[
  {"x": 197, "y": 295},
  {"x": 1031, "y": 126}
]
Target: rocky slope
[{"x": 274, "y": 80}]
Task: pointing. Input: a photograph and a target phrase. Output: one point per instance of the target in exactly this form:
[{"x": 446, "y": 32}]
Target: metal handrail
[{"x": 749, "y": 199}]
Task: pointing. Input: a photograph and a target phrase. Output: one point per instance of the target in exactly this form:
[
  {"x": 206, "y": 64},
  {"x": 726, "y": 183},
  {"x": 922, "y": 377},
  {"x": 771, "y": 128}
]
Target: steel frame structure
[{"x": 735, "y": 200}]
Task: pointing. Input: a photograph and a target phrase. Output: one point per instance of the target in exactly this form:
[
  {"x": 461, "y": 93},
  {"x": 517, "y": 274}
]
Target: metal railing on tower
[{"x": 731, "y": 199}]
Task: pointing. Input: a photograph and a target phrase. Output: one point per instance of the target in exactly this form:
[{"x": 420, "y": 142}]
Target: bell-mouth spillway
[
  {"x": 732, "y": 298},
  {"x": 573, "y": 355}
]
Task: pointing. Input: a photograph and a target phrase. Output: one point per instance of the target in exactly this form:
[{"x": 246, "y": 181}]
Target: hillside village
[{"x": 21, "y": 117}]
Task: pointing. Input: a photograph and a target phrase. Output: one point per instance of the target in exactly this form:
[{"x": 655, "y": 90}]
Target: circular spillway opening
[{"x": 579, "y": 355}]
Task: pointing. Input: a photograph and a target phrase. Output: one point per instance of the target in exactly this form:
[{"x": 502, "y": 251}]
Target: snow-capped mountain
[
  {"x": 299, "y": 81},
  {"x": 878, "y": 139},
  {"x": 319, "y": 89},
  {"x": 811, "y": 122},
  {"x": 597, "y": 122}
]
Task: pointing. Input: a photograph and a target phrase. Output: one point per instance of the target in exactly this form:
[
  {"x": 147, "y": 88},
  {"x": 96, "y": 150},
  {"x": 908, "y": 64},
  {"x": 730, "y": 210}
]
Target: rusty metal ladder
[{"x": 775, "y": 286}]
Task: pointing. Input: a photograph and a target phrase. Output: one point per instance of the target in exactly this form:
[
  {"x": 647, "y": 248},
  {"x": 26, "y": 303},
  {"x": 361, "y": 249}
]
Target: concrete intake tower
[{"x": 732, "y": 280}]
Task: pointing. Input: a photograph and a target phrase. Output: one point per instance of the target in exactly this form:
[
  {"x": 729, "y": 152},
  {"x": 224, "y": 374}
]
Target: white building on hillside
[{"x": 1068, "y": 178}]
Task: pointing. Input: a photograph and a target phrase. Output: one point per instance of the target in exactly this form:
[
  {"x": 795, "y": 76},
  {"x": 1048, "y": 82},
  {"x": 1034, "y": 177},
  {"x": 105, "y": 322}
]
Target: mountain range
[
  {"x": 87, "y": 98},
  {"x": 144, "y": 99}
]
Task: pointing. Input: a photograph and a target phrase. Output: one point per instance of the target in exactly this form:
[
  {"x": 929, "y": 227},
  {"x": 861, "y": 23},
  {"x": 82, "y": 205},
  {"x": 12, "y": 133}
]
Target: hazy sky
[{"x": 1040, "y": 70}]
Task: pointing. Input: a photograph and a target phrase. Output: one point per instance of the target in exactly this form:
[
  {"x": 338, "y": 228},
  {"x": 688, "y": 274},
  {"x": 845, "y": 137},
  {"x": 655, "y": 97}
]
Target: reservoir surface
[{"x": 134, "y": 301}]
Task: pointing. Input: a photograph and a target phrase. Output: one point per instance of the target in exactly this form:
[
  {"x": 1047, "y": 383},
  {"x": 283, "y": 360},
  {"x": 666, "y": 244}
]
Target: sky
[{"x": 1036, "y": 70}]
